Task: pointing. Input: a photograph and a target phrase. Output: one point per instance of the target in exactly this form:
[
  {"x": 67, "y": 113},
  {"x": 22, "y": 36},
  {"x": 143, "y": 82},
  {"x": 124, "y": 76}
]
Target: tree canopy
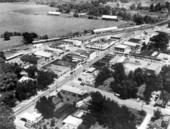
[
  {"x": 44, "y": 79},
  {"x": 104, "y": 74},
  {"x": 45, "y": 106},
  {"x": 6, "y": 117},
  {"x": 108, "y": 114},
  {"x": 25, "y": 90},
  {"x": 159, "y": 42}
]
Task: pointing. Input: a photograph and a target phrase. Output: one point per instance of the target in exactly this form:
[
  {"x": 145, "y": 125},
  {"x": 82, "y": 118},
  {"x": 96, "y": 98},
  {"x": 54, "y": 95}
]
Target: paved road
[{"x": 146, "y": 121}]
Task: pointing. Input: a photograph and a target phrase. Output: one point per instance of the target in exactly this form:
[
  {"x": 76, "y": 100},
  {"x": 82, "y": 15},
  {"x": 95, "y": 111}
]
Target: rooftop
[
  {"x": 134, "y": 40},
  {"x": 73, "y": 90},
  {"x": 121, "y": 46},
  {"x": 42, "y": 53},
  {"x": 73, "y": 121}
]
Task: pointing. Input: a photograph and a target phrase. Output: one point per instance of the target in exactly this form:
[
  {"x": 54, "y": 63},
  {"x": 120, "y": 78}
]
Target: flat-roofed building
[
  {"x": 101, "y": 44},
  {"x": 71, "y": 122},
  {"x": 66, "y": 89},
  {"x": 43, "y": 54},
  {"x": 122, "y": 49},
  {"x": 31, "y": 118},
  {"x": 57, "y": 69},
  {"x": 74, "y": 42},
  {"x": 54, "y": 13},
  {"x": 85, "y": 39},
  {"x": 117, "y": 59},
  {"x": 134, "y": 43},
  {"x": 110, "y": 17}
]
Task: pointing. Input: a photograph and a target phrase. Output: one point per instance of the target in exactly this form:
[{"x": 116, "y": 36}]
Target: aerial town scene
[{"x": 84, "y": 64}]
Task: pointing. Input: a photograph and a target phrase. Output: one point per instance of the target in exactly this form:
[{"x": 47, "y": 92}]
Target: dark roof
[
  {"x": 134, "y": 40},
  {"x": 99, "y": 65},
  {"x": 147, "y": 53}
]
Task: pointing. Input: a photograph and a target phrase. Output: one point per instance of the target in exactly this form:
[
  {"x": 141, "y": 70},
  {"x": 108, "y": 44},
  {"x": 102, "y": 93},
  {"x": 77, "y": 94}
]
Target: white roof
[
  {"x": 121, "y": 46},
  {"x": 42, "y": 53},
  {"x": 31, "y": 117},
  {"x": 73, "y": 90},
  {"x": 55, "y": 50},
  {"x": 73, "y": 121},
  {"x": 109, "y": 17},
  {"x": 121, "y": 59},
  {"x": 104, "y": 29},
  {"x": 163, "y": 56},
  {"x": 154, "y": 53},
  {"x": 91, "y": 69},
  {"x": 80, "y": 103},
  {"x": 130, "y": 44},
  {"x": 24, "y": 79},
  {"x": 54, "y": 13},
  {"x": 14, "y": 55}
]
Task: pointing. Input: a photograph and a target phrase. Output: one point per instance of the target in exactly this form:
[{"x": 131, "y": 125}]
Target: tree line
[
  {"x": 127, "y": 85},
  {"x": 95, "y": 9},
  {"x": 158, "y": 42},
  {"x": 159, "y": 7},
  {"x": 28, "y": 38}
]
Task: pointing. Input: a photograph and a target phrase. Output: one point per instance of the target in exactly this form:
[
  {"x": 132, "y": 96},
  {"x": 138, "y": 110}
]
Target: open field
[
  {"x": 15, "y": 41},
  {"x": 32, "y": 18}
]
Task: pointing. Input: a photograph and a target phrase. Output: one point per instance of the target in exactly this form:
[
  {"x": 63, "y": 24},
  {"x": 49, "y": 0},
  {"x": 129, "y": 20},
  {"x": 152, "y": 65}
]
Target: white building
[
  {"x": 117, "y": 59},
  {"x": 31, "y": 118},
  {"x": 25, "y": 79},
  {"x": 73, "y": 42},
  {"x": 54, "y": 13},
  {"x": 122, "y": 49},
  {"x": 74, "y": 90},
  {"x": 43, "y": 54},
  {"x": 71, "y": 122},
  {"x": 110, "y": 17},
  {"x": 104, "y": 30}
]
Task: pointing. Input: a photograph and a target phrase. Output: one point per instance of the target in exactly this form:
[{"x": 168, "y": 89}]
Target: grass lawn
[{"x": 15, "y": 41}]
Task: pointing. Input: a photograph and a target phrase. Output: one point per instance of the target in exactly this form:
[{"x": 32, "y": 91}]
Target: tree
[
  {"x": 157, "y": 115},
  {"x": 25, "y": 90},
  {"x": 2, "y": 55},
  {"x": 104, "y": 74},
  {"x": 32, "y": 70},
  {"x": 159, "y": 42},
  {"x": 46, "y": 107},
  {"x": 152, "y": 8},
  {"x": 119, "y": 72},
  {"x": 59, "y": 95},
  {"x": 8, "y": 99},
  {"x": 144, "y": 46},
  {"x": 28, "y": 38},
  {"x": 6, "y": 36},
  {"x": 138, "y": 76},
  {"x": 16, "y": 69},
  {"x": 44, "y": 79},
  {"x": 108, "y": 113},
  {"x": 8, "y": 81},
  {"x": 142, "y": 113},
  {"x": 6, "y": 117}
]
